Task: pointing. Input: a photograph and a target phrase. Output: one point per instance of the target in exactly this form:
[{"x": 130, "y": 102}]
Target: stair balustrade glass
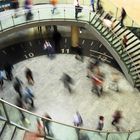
[{"x": 59, "y": 130}]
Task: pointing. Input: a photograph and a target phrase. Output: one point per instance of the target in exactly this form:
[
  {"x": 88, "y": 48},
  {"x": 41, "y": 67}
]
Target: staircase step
[
  {"x": 135, "y": 68},
  {"x": 133, "y": 45},
  {"x": 8, "y": 132},
  {"x": 19, "y": 134}
]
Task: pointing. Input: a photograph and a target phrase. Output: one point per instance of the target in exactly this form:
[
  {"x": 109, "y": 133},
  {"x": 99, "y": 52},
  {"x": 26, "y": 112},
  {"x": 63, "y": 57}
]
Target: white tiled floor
[{"x": 53, "y": 98}]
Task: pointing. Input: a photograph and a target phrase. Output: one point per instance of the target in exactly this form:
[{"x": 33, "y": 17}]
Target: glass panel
[
  {"x": 20, "y": 18},
  {"x": 7, "y": 21},
  {"x": 135, "y": 136},
  {"x": 2, "y": 113},
  {"x": 22, "y": 118},
  {"x": 118, "y": 136},
  {"x": 69, "y": 12},
  {"x": 93, "y": 135},
  {"x": 61, "y": 132}
]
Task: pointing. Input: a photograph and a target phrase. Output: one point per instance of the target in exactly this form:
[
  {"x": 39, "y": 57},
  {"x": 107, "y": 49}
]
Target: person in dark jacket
[
  {"x": 67, "y": 80},
  {"x": 123, "y": 16},
  {"x": 29, "y": 76},
  {"x": 18, "y": 86},
  {"x": 8, "y": 70}
]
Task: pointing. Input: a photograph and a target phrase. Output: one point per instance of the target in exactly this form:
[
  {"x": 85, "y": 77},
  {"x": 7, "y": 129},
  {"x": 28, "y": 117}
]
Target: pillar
[{"x": 74, "y": 35}]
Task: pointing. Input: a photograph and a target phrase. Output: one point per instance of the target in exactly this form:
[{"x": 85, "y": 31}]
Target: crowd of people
[{"x": 25, "y": 98}]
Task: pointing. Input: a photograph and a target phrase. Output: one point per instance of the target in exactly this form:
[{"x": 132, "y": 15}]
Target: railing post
[
  {"x": 89, "y": 16},
  {"x": 38, "y": 15},
  {"x": 13, "y": 20},
  {"x": 64, "y": 13},
  {"x": 5, "y": 111},
  {"x": 129, "y": 133},
  {"x": 1, "y": 26},
  {"x": 107, "y": 135}
]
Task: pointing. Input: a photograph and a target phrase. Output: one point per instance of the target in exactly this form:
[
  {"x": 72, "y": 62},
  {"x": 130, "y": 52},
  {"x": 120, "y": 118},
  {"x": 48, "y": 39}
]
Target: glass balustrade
[{"x": 58, "y": 130}]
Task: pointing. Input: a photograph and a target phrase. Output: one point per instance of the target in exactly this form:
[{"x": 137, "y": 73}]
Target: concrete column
[{"x": 74, "y": 36}]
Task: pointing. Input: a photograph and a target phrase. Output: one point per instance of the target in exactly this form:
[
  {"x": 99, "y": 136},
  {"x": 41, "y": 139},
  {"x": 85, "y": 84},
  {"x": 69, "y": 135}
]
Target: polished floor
[{"x": 52, "y": 97}]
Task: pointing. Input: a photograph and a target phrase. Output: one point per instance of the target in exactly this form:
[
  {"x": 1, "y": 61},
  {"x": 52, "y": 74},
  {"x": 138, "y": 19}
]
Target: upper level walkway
[{"x": 127, "y": 58}]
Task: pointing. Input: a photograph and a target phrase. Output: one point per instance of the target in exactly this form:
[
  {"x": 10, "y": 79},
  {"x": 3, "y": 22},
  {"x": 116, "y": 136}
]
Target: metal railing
[
  {"x": 59, "y": 130},
  {"x": 43, "y": 13}
]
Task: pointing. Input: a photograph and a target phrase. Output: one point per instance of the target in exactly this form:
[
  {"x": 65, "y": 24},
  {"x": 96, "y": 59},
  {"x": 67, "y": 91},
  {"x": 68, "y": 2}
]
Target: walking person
[
  {"x": 123, "y": 16},
  {"x": 99, "y": 6},
  {"x": 57, "y": 39},
  {"x": 100, "y": 123},
  {"x": 47, "y": 124},
  {"x": 79, "y": 53},
  {"x": 97, "y": 82},
  {"x": 67, "y": 81},
  {"x": 1, "y": 79},
  {"x": 54, "y": 3},
  {"x": 28, "y": 7},
  {"x": 49, "y": 48},
  {"x": 92, "y": 4},
  {"x": 15, "y": 6},
  {"x": 77, "y": 6},
  {"x": 29, "y": 76},
  {"x": 20, "y": 103},
  {"x": 78, "y": 121},
  {"x": 28, "y": 97},
  {"x": 8, "y": 70},
  {"x": 18, "y": 86},
  {"x": 116, "y": 119}
]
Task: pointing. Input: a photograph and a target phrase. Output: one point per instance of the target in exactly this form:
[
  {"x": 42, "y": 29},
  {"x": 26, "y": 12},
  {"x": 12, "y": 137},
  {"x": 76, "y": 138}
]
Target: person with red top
[
  {"x": 124, "y": 42},
  {"x": 54, "y": 2},
  {"x": 97, "y": 82}
]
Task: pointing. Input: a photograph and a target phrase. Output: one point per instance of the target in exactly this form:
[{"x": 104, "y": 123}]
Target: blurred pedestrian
[
  {"x": 93, "y": 64},
  {"x": 2, "y": 78},
  {"x": 77, "y": 119},
  {"x": 49, "y": 48},
  {"x": 57, "y": 39},
  {"x": 116, "y": 118},
  {"x": 47, "y": 124},
  {"x": 97, "y": 84},
  {"x": 27, "y": 95},
  {"x": 67, "y": 81},
  {"x": 99, "y": 6},
  {"x": 123, "y": 16},
  {"x": 92, "y": 4},
  {"x": 28, "y": 7},
  {"x": 8, "y": 70},
  {"x": 20, "y": 103},
  {"x": 79, "y": 53},
  {"x": 100, "y": 123},
  {"x": 15, "y": 6},
  {"x": 124, "y": 41},
  {"x": 78, "y": 8},
  {"x": 54, "y": 3},
  {"x": 29, "y": 76},
  {"x": 18, "y": 86}
]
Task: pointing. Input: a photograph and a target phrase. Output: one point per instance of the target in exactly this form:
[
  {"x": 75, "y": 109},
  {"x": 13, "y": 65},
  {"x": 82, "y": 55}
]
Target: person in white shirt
[{"x": 77, "y": 119}]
